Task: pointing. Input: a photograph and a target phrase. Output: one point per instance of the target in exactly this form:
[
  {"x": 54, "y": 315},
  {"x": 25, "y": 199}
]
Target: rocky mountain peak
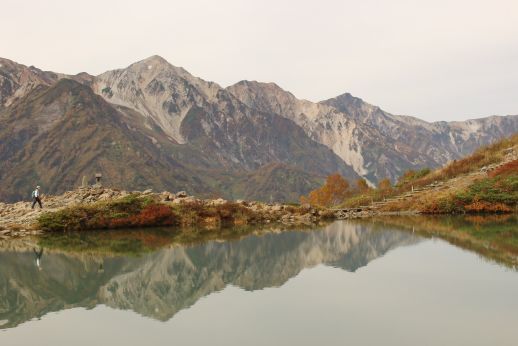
[
  {"x": 157, "y": 90},
  {"x": 265, "y": 87},
  {"x": 342, "y": 100},
  {"x": 156, "y": 67},
  {"x": 156, "y": 59},
  {"x": 271, "y": 97},
  {"x": 353, "y": 106},
  {"x": 155, "y": 64}
]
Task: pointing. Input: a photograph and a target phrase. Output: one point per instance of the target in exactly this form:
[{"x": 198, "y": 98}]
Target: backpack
[{"x": 34, "y": 194}]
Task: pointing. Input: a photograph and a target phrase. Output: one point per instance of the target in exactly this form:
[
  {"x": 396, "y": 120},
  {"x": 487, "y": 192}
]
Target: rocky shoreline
[{"x": 19, "y": 220}]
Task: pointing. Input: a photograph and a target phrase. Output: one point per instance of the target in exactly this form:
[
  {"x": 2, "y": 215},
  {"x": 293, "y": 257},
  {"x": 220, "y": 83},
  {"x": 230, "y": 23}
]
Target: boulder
[
  {"x": 181, "y": 194},
  {"x": 105, "y": 196},
  {"x": 256, "y": 207},
  {"x": 218, "y": 201},
  {"x": 191, "y": 199},
  {"x": 188, "y": 199},
  {"x": 276, "y": 207}
]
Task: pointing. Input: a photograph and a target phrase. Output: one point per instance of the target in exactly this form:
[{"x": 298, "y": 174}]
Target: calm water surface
[{"x": 347, "y": 283}]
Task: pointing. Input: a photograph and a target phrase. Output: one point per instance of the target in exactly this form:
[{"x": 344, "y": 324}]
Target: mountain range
[{"x": 154, "y": 125}]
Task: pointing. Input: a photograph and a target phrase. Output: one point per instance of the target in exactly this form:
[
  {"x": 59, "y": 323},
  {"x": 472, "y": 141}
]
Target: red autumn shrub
[
  {"x": 155, "y": 214},
  {"x": 151, "y": 215},
  {"x": 505, "y": 170}
]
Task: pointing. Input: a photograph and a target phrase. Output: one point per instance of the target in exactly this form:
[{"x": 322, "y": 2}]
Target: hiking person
[{"x": 36, "y": 197}]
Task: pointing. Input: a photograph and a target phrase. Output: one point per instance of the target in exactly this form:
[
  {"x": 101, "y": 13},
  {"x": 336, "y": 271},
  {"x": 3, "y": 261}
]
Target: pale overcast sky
[{"x": 436, "y": 59}]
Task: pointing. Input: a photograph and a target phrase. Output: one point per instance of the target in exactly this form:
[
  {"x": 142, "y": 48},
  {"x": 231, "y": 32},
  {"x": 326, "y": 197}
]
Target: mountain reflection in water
[{"x": 161, "y": 283}]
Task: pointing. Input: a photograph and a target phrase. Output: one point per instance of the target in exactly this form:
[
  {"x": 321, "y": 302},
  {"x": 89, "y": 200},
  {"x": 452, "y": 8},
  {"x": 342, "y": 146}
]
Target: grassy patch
[{"x": 411, "y": 176}]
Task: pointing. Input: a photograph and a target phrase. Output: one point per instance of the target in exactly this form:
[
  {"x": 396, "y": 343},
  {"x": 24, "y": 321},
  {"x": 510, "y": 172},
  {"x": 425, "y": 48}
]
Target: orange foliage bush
[
  {"x": 362, "y": 185},
  {"x": 406, "y": 176},
  {"x": 332, "y": 193},
  {"x": 385, "y": 184},
  {"x": 487, "y": 207},
  {"x": 385, "y": 187}
]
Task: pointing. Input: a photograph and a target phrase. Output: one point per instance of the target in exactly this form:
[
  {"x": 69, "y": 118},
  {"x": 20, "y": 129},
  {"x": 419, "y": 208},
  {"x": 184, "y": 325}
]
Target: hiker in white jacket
[{"x": 36, "y": 197}]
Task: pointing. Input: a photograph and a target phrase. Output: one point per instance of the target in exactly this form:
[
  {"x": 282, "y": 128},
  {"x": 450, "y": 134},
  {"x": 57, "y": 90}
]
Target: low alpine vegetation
[
  {"x": 498, "y": 193},
  {"x": 130, "y": 211},
  {"x": 141, "y": 210}
]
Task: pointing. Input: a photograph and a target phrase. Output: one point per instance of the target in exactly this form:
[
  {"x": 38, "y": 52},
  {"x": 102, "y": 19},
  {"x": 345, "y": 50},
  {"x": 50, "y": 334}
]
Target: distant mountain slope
[
  {"x": 375, "y": 143},
  {"x": 202, "y": 114},
  {"x": 57, "y": 134},
  {"x": 274, "y": 182},
  {"x": 441, "y": 140}
]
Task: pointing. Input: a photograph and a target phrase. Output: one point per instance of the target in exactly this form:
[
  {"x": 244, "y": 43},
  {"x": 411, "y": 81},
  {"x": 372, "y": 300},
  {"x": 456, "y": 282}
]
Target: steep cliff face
[{"x": 161, "y": 283}]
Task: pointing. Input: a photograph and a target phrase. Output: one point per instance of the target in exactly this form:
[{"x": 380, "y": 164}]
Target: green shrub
[
  {"x": 410, "y": 176},
  {"x": 500, "y": 189}
]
